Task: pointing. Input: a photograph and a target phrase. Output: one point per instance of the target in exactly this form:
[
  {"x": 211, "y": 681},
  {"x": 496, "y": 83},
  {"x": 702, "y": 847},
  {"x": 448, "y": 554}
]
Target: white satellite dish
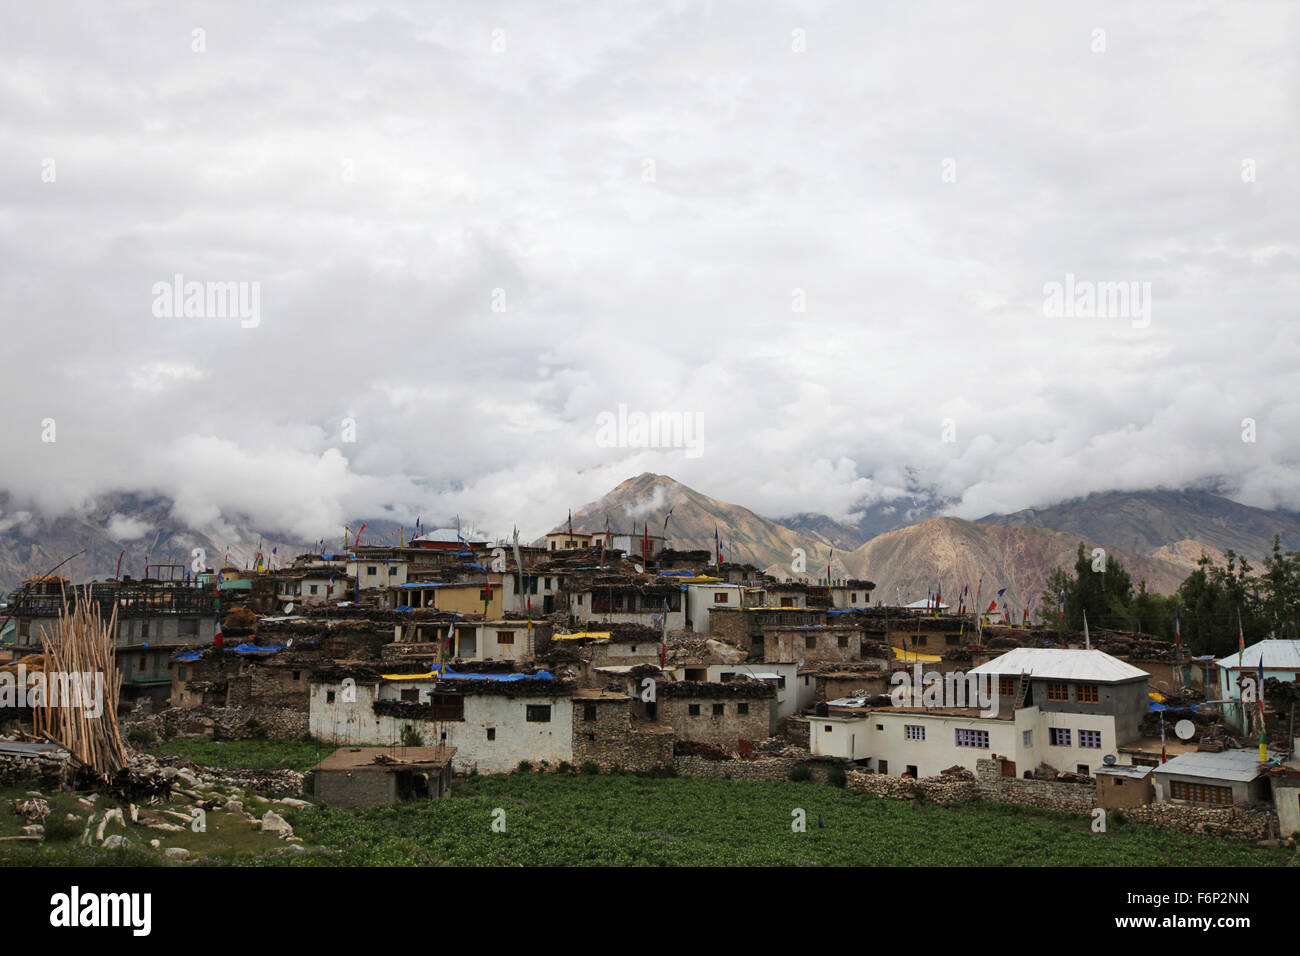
[
  {"x": 1108, "y": 760},
  {"x": 1185, "y": 729},
  {"x": 639, "y": 569},
  {"x": 288, "y": 608}
]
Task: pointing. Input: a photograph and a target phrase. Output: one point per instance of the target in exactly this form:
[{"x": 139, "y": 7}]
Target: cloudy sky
[{"x": 824, "y": 232}]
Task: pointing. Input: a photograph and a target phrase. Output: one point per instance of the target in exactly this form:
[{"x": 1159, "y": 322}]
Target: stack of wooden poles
[{"x": 83, "y": 645}]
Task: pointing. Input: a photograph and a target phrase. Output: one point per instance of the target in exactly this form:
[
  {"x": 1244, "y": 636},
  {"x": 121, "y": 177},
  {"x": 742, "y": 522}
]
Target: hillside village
[{"x": 600, "y": 650}]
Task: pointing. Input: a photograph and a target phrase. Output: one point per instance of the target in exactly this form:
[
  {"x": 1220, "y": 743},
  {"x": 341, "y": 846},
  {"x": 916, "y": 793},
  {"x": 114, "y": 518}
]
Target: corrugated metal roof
[
  {"x": 1239, "y": 765},
  {"x": 1278, "y": 655},
  {"x": 1062, "y": 664}
]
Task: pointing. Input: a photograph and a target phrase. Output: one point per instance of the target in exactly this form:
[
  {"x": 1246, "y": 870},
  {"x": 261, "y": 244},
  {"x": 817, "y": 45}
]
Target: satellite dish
[
  {"x": 1185, "y": 729},
  {"x": 288, "y": 608},
  {"x": 1108, "y": 760},
  {"x": 639, "y": 569}
]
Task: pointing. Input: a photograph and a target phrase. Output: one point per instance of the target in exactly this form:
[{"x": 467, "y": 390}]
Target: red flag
[{"x": 993, "y": 606}]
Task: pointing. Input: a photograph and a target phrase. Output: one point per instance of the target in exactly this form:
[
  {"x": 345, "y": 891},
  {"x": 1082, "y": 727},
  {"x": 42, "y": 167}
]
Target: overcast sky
[{"x": 818, "y": 229}]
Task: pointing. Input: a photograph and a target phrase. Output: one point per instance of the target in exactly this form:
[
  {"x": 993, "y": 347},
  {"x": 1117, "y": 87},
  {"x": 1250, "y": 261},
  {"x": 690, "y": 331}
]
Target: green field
[
  {"x": 626, "y": 820},
  {"x": 245, "y": 754},
  {"x": 554, "y": 819}
]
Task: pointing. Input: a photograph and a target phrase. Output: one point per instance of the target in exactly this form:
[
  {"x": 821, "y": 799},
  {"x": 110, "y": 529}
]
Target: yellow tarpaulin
[
  {"x": 600, "y": 635},
  {"x": 409, "y": 676},
  {"x": 914, "y": 656}
]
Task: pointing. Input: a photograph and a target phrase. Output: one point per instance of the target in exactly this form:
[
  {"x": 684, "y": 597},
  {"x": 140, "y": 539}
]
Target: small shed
[
  {"x": 367, "y": 776},
  {"x": 1121, "y": 787}
]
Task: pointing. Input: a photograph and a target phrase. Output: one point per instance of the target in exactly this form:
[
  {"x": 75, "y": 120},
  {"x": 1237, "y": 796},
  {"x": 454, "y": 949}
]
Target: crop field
[{"x": 568, "y": 820}]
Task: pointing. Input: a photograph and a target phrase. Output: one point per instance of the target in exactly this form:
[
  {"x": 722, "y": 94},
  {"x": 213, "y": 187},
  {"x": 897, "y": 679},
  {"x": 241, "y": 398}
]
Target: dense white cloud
[{"x": 472, "y": 252}]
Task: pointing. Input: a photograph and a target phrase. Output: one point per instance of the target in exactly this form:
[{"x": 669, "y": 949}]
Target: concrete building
[
  {"x": 1281, "y": 661},
  {"x": 1064, "y": 709},
  {"x": 1227, "y": 778}
]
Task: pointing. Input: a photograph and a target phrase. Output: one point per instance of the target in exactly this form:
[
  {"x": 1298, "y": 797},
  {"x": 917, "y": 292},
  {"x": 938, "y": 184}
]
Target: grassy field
[
  {"x": 245, "y": 754},
  {"x": 566, "y": 820},
  {"x": 579, "y": 820}
]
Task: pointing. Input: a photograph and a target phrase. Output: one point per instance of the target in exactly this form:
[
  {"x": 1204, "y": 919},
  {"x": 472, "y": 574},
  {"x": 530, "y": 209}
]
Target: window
[
  {"x": 742, "y": 709},
  {"x": 579, "y": 600},
  {"x": 144, "y": 662},
  {"x": 447, "y": 707},
  {"x": 1058, "y": 736},
  {"x": 1090, "y": 739},
  {"x": 329, "y": 697},
  {"x": 720, "y": 597},
  {"x": 1083, "y": 769},
  {"x": 853, "y": 598},
  {"x": 1006, "y": 687},
  {"x": 182, "y": 671},
  {"x": 1201, "y": 793},
  {"x": 973, "y": 738},
  {"x": 187, "y": 627},
  {"x": 538, "y": 714},
  {"x": 548, "y": 585},
  {"x": 505, "y": 637},
  {"x": 297, "y": 675},
  {"x": 1058, "y": 691},
  {"x": 913, "y": 732},
  {"x": 693, "y": 710},
  {"x": 491, "y": 733},
  {"x": 413, "y": 695},
  {"x": 314, "y": 588},
  {"x": 719, "y": 710},
  {"x": 827, "y": 729},
  {"x": 372, "y": 569},
  {"x": 1088, "y": 694},
  {"x": 951, "y": 640},
  {"x": 144, "y": 630},
  {"x": 843, "y": 640},
  {"x": 883, "y": 766},
  {"x": 1027, "y": 738},
  {"x": 392, "y": 569},
  {"x": 588, "y": 711},
  {"x": 810, "y": 641},
  {"x": 922, "y": 639}
]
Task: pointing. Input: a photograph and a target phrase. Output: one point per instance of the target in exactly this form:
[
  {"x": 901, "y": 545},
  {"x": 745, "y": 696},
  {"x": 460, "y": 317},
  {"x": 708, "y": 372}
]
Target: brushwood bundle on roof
[{"x": 742, "y": 689}]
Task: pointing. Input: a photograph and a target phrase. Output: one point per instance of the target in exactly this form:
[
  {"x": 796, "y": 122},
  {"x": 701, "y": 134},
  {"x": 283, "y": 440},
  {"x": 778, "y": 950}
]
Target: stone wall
[
  {"x": 610, "y": 739},
  {"x": 940, "y": 789},
  {"x": 1045, "y": 794},
  {"x": 1235, "y": 823},
  {"x": 223, "y": 723},
  {"x": 53, "y": 769},
  {"x": 771, "y": 768}
]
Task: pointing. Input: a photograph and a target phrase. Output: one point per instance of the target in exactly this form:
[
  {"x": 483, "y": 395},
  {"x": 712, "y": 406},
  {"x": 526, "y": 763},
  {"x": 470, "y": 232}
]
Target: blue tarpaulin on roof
[
  {"x": 540, "y": 675},
  {"x": 1158, "y": 706},
  {"x": 247, "y": 648},
  {"x": 676, "y": 574},
  {"x": 186, "y": 656}
]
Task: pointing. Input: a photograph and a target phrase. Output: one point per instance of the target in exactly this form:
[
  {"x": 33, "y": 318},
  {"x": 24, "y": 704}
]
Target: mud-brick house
[
  {"x": 657, "y": 606},
  {"x": 814, "y": 642},
  {"x": 364, "y": 777},
  {"x": 717, "y": 713},
  {"x": 743, "y": 627},
  {"x": 244, "y": 676},
  {"x": 782, "y": 677},
  {"x": 606, "y": 734},
  {"x": 493, "y": 720}
]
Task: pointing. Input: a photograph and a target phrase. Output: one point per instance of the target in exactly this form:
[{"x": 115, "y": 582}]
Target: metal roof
[
  {"x": 1278, "y": 655},
  {"x": 1239, "y": 765},
  {"x": 1062, "y": 664}
]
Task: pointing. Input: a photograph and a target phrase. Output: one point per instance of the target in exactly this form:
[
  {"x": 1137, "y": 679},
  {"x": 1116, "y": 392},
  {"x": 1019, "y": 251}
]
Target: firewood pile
[{"x": 82, "y": 649}]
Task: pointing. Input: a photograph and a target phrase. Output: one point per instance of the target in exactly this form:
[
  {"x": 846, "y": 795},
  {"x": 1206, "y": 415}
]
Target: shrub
[
  {"x": 589, "y": 767},
  {"x": 411, "y": 737},
  {"x": 836, "y": 776},
  {"x": 800, "y": 772},
  {"x": 59, "y": 829},
  {"x": 141, "y": 737},
  {"x": 564, "y": 767},
  {"x": 525, "y": 766}
]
